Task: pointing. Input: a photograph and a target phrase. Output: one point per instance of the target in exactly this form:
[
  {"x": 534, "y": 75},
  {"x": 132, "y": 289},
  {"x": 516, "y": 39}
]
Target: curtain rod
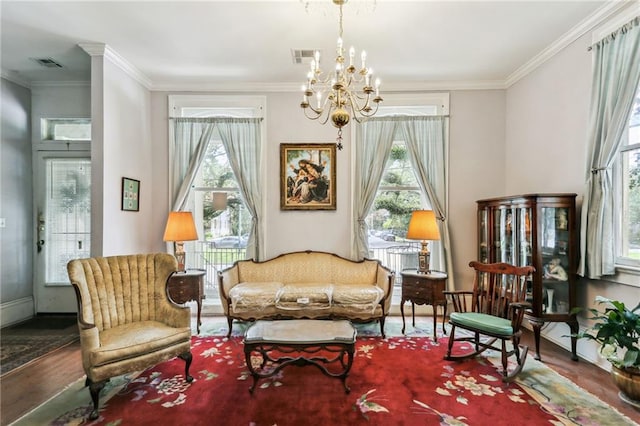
[{"x": 622, "y": 30}]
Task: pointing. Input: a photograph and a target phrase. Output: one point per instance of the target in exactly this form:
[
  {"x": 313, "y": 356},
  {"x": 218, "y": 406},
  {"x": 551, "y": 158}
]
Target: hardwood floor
[{"x": 25, "y": 388}]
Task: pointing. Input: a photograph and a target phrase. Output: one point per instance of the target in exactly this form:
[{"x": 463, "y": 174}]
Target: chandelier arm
[{"x": 355, "y": 105}]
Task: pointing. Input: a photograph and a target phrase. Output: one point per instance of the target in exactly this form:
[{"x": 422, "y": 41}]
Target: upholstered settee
[{"x": 306, "y": 284}]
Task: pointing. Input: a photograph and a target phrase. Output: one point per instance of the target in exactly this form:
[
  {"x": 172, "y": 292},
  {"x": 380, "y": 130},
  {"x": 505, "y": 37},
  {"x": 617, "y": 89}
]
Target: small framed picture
[
  {"x": 130, "y": 194},
  {"x": 307, "y": 176}
]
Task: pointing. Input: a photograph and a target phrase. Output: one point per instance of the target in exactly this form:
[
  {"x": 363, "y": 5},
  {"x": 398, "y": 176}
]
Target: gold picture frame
[{"x": 307, "y": 176}]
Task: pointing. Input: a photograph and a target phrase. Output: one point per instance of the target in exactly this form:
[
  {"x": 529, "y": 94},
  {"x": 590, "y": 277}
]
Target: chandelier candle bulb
[
  {"x": 352, "y": 54},
  {"x": 363, "y": 56}
]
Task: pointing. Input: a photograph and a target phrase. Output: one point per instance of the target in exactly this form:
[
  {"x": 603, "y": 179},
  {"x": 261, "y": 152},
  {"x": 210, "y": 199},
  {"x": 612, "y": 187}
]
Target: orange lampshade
[
  {"x": 180, "y": 227},
  {"x": 423, "y": 226}
]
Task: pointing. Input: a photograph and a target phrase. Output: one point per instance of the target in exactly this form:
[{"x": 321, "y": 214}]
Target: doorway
[{"x": 63, "y": 225}]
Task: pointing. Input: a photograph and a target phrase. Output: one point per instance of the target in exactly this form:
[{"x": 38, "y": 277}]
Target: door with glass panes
[{"x": 62, "y": 225}]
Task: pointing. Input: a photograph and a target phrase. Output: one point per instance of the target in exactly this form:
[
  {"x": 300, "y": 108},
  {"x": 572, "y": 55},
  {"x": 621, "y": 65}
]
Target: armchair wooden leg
[
  {"x": 94, "y": 390},
  {"x": 382, "y": 326},
  {"x": 187, "y": 357}
]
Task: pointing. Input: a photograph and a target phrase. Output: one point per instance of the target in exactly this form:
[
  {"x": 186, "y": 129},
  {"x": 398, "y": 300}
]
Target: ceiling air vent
[
  {"x": 302, "y": 56},
  {"x": 47, "y": 62}
]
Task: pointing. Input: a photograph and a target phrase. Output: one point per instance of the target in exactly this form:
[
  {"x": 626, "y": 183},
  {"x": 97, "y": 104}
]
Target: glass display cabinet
[{"x": 538, "y": 230}]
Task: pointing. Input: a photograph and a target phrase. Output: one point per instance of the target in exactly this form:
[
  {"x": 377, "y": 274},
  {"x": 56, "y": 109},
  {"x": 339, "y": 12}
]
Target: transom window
[{"x": 66, "y": 129}]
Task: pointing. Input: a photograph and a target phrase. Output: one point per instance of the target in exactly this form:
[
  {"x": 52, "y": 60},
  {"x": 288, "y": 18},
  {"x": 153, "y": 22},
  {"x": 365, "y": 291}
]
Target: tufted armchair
[{"x": 126, "y": 320}]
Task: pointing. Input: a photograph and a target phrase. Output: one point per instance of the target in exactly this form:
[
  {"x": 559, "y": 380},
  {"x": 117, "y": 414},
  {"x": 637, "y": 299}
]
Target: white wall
[
  {"x": 546, "y": 119},
  {"x": 16, "y": 238},
  {"x": 476, "y": 171},
  {"x": 546, "y": 125},
  {"x": 58, "y": 101},
  {"x": 127, "y": 151},
  {"x": 120, "y": 147}
]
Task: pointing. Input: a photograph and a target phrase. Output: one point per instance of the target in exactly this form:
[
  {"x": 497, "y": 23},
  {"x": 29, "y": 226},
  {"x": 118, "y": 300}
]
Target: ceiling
[{"x": 247, "y": 45}]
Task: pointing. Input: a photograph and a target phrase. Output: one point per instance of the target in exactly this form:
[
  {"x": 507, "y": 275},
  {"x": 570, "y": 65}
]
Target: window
[
  {"x": 220, "y": 213},
  {"x": 627, "y": 173},
  {"x": 66, "y": 129},
  {"x": 399, "y": 194}
]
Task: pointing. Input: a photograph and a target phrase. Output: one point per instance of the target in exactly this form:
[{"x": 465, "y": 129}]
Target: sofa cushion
[
  {"x": 251, "y": 296},
  {"x": 134, "y": 339},
  {"x": 364, "y": 297},
  {"x": 305, "y": 296}
]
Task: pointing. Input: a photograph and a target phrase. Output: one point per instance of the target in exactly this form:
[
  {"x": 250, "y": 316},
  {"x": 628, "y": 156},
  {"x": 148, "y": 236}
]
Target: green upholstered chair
[
  {"x": 492, "y": 312},
  {"x": 126, "y": 320}
]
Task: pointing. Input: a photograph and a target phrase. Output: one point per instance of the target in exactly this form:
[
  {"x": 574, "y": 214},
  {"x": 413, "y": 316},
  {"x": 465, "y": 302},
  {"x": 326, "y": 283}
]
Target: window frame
[
  {"x": 622, "y": 262},
  {"x": 227, "y": 105},
  {"x": 395, "y": 104}
]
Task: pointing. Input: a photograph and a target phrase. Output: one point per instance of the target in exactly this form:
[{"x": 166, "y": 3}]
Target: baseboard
[{"x": 16, "y": 311}]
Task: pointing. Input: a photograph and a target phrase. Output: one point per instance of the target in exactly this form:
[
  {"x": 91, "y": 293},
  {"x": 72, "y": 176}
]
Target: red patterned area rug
[{"x": 393, "y": 381}]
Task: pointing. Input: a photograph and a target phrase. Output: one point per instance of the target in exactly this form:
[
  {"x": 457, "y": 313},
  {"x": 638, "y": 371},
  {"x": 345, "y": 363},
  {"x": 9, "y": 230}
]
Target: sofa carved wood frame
[{"x": 126, "y": 320}]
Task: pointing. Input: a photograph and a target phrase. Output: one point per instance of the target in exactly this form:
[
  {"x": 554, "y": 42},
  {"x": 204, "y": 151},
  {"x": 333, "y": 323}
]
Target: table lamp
[
  {"x": 180, "y": 228},
  {"x": 423, "y": 227}
]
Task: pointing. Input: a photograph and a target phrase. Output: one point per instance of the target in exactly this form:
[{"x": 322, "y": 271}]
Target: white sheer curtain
[
  {"x": 374, "y": 139},
  {"x": 426, "y": 143},
  {"x": 191, "y": 137},
  {"x": 426, "y": 138},
  {"x": 241, "y": 139},
  {"x": 615, "y": 82}
]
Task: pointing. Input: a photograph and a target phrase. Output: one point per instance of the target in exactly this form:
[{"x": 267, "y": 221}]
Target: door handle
[{"x": 40, "y": 242}]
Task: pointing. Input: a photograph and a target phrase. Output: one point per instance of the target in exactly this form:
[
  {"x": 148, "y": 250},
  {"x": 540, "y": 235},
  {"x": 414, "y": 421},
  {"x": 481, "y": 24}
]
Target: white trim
[
  {"x": 101, "y": 49},
  {"x": 78, "y": 83},
  {"x": 253, "y": 87},
  {"x": 14, "y": 77},
  {"x": 16, "y": 311},
  {"x": 439, "y": 99},
  {"x": 596, "y": 18},
  {"x": 258, "y": 103},
  {"x": 622, "y": 17}
]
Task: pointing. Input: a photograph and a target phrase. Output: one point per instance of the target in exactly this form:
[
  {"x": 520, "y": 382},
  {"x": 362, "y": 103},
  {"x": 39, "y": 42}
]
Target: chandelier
[{"x": 342, "y": 92}]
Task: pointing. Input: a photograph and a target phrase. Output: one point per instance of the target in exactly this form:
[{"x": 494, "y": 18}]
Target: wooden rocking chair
[{"x": 495, "y": 312}]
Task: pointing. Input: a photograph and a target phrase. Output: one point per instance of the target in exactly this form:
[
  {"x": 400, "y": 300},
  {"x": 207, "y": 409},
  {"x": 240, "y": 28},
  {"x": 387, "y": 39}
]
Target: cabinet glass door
[
  {"x": 506, "y": 227},
  {"x": 524, "y": 237},
  {"x": 555, "y": 260},
  {"x": 483, "y": 248}
]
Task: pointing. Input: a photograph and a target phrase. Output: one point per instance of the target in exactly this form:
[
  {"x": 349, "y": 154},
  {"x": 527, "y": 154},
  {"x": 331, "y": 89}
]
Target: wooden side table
[
  {"x": 424, "y": 289},
  {"x": 183, "y": 287}
]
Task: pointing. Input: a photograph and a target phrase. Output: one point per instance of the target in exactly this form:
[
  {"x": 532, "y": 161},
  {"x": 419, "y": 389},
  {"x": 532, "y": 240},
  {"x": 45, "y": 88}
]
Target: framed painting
[
  {"x": 307, "y": 176},
  {"x": 130, "y": 194}
]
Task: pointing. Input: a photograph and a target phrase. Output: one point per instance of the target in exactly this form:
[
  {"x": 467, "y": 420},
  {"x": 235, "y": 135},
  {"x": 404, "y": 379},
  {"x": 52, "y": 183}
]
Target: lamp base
[
  {"x": 180, "y": 256},
  {"x": 423, "y": 259}
]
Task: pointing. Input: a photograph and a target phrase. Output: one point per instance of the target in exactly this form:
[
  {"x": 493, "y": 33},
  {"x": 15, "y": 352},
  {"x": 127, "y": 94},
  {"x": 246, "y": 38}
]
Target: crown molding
[
  {"x": 79, "y": 83},
  {"x": 14, "y": 77},
  {"x": 588, "y": 24},
  {"x": 389, "y": 87},
  {"x": 101, "y": 49}
]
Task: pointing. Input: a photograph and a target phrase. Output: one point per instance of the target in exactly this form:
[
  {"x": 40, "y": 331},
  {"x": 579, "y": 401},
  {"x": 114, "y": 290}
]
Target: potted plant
[{"x": 617, "y": 330}]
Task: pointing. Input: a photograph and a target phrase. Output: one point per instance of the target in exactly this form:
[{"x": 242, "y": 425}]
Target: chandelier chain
[{"x": 340, "y": 20}]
